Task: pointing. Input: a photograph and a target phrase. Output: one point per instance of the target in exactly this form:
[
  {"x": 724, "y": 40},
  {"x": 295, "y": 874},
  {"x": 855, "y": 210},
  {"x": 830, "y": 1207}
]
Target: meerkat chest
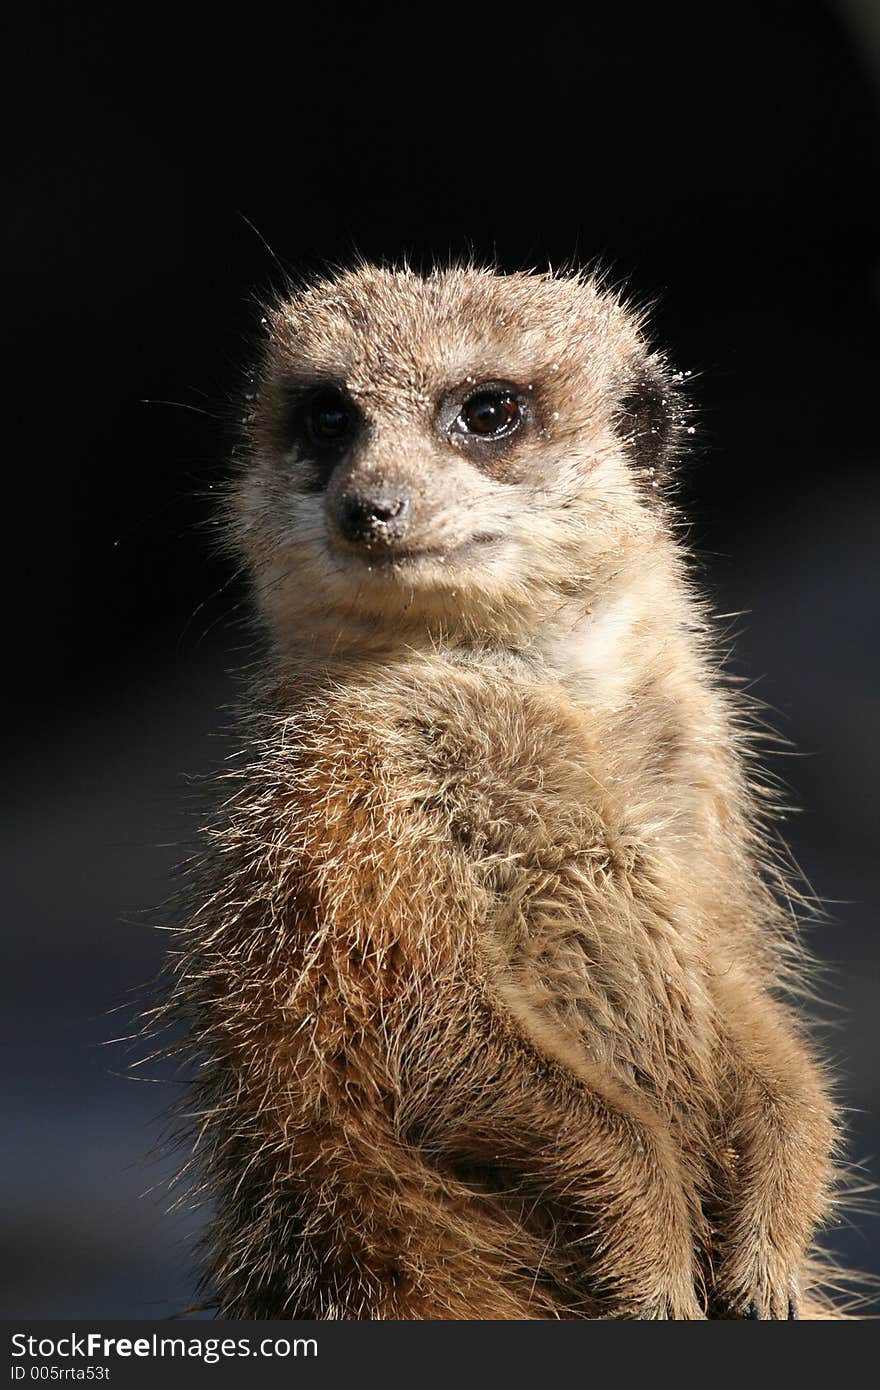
[{"x": 588, "y": 915}]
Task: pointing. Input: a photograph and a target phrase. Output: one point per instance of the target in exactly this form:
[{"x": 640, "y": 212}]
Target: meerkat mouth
[{"x": 389, "y": 558}]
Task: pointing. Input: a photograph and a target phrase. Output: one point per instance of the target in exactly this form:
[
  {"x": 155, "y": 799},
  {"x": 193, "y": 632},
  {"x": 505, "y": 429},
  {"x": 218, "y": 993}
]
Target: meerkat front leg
[
  {"x": 778, "y": 1171},
  {"x": 563, "y": 1132}
]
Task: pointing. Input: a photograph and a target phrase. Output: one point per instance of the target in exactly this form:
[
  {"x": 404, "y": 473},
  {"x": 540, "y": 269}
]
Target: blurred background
[{"x": 723, "y": 160}]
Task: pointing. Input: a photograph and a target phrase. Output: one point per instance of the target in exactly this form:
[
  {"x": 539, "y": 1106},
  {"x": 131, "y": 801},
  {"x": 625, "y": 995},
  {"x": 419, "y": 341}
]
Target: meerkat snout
[{"x": 372, "y": 516}]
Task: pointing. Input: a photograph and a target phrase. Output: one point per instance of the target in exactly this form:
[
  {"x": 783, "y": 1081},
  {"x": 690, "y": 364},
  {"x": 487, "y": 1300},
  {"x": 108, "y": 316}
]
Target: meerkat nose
[{"x": 373, "y": 518}]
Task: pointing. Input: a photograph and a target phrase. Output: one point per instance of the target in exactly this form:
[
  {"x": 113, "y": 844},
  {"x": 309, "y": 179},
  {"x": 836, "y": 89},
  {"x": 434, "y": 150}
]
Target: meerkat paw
[
  {"x": 679, "y": 1298},
  {"x": 779, "y": 1301},
  {"x": 768, "y": 1291},
  {"x": 663, "y": 1292},
  {"x": 669, "y": 1309},
  {"x": 687, "y": 1306},
  {"x": 755, "y": 1306}
]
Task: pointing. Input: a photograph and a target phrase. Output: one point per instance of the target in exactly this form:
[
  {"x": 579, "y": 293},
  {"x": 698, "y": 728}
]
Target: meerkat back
[{"x": 485, "y": 975}]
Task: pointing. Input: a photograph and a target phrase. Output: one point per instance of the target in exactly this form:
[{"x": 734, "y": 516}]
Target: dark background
[{"x": 720, "y": 158}]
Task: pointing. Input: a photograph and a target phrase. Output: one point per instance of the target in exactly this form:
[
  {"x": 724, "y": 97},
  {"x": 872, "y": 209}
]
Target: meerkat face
[{"x": 459, "y": 450}]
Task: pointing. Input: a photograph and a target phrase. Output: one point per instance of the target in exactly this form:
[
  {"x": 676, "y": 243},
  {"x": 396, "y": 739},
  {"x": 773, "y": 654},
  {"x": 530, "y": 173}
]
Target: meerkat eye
[
  {"x": 490, "y": 413},
  {"x": 330, "y": 416}
]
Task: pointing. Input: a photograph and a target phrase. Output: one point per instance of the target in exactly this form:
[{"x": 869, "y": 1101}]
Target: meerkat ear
[{"x": 651, "y": 414}]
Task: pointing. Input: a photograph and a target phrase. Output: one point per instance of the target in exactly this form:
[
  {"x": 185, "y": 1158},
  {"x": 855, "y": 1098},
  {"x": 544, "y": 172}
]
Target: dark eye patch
[
  {"x": 330, "y": 417},
  {"x": 324, "y": 416},
  {"x": 321, "y": 422}
]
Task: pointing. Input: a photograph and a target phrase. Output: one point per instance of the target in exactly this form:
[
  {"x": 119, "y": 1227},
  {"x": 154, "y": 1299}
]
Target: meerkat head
[{"x": 458, "y": 452}]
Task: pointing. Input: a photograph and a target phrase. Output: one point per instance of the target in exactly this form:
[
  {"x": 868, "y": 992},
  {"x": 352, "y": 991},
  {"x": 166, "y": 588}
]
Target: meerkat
[{"x": 488, "y": 981}]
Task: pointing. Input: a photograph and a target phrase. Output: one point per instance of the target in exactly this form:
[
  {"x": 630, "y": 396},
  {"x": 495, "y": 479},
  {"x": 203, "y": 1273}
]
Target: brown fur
[{"x": 487, "y": 979}]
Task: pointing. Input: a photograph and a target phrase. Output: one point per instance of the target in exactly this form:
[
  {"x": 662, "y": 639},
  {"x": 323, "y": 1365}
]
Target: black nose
[{"x": 373, "y": 518}]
